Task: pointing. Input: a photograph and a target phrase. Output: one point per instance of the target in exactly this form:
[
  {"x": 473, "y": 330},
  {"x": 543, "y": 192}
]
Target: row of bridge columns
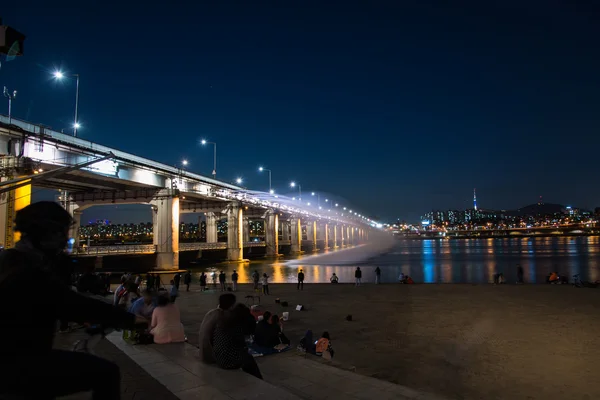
[{"x": 165, "y": 218}]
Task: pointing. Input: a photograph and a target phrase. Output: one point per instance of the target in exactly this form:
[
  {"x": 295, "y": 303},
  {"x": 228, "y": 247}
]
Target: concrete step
[
  {"x": 178, "y": 367},
  {"x": 309, "y": 378}
]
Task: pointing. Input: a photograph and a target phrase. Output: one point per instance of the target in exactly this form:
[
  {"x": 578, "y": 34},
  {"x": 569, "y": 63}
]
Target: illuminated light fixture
[
  {"x": 239, "y": 181},
  {"x": 184, "y": 162}
]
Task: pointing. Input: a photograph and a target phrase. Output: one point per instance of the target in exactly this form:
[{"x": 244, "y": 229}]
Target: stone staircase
[{"x": 288, "y": 376}]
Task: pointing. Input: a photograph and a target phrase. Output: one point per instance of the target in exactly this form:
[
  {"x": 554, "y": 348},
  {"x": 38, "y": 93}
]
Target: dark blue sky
[{"x": 398, "y": 107}]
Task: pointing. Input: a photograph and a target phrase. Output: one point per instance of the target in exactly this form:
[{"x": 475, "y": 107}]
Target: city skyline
[{"x": 397, "y": 113}]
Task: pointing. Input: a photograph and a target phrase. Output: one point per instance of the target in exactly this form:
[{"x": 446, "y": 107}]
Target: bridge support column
[
  {"x": 235, "y": 232},
  {"x": 246, "y": 229},
  {"x": 75, "y": 228},
  {"x": 296, "y": 234},
  {"x": 352, "y": 235},
  {"x": 211, "y": 228},
  {"x": 272, "y": 233},
  {"x": 343, "y": 238},
  {"x": 311, "y": 234},
  {"x": 348, "y": 241},
  {"x": 285, "y": 230},
  {"x": 334, "y": 229},
  {"x": 165, "y": 218},
  {"x": 10, "y": 203}
]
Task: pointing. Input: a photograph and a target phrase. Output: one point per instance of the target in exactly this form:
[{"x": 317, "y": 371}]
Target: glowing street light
[
  {"x": 239, "y": 181},
  {"x": 184, "y": 163},
  {"x": 203, "y": 142},
  {"x": 261, "y": 169},
  {"x": 59, "y": 75},
  {"x": 271, "y": 191},
  {"x": 318, "y": 197},
  {"x": 293, "y": 184}
]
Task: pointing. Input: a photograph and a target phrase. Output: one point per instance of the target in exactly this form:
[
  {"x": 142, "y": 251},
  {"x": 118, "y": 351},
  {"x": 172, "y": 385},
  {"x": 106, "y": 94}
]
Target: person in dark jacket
[
  {"x": 301, "y": 280},
  {"x": 177, "y": 280},
  {"x": 357, "y": 276},
  {"x": 28, "y": 323},
  {"x": 187, "y": 279}
]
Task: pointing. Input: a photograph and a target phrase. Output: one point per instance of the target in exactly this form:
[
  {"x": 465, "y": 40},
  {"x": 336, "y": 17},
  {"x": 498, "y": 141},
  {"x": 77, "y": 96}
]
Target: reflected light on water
[{"x": 443, "y": 260}]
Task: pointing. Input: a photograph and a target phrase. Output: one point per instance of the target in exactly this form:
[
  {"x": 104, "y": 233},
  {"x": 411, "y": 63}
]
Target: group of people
[{"x": 156, "y": 306}]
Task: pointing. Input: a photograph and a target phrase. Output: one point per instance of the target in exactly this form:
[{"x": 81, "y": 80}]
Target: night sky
[{"x": 398, "y": 107}]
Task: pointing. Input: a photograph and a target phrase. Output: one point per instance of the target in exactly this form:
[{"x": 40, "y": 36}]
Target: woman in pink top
[{"x": 166, "y": 324}]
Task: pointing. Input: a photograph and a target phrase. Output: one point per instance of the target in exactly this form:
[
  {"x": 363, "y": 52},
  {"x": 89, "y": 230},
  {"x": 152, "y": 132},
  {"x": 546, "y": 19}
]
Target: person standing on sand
[
  {"x": 202, "y": 282},
  {"x": 255, "y": 279},
  {"x": 300, "y": 280},
  {"x": 265, "y": 284},
  {"x": 222, "y": 278},
  {"x": 377, "y": 276},
  {"x": 234, "y": 280},
  {"x": 358, "y": 276},
  {"x": 519, "y": 273},
  {"x": 187, "y": 279}
]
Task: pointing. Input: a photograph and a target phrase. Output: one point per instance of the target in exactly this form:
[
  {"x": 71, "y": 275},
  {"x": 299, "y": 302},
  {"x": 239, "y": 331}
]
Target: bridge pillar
[
  {"x": 285, "y": 230},
  {"x": 165, "y": 218},
  {"x": 211, "y": 228},
  {"x": 343, "y": 238},
  {"x": 311, "y": 234},
  {"x": 296, "y": 234},
  {"x": 272, "y": 233},
  {"x": 348, "y": 242},
  {"x": 352, "y": 235},
  {"x": 235, "y": 232},
  {"x": 334, "y": 229},
  {"x": 246, "y": 229},
  {"x": 75, "y": 228},
  {"x": 10, "y": 203}
]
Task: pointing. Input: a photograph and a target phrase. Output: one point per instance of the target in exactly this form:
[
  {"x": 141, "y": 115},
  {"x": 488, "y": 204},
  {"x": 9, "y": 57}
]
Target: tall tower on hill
[{"x": 474, "y": 199}]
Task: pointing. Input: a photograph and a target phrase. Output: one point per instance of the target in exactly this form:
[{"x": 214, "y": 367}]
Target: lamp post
[
  {"x": 294, "y": 184},
  {"x": 261, "y": 169},
  {"x": 10, "y": 96},
  {"x": 59, "y": 75},
  {"x": 318, "y": 198},
  {"x": 214, "y": 172}
]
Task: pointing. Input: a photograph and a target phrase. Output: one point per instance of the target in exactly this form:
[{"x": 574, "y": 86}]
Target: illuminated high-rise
[{"x": 474, "y": 200}]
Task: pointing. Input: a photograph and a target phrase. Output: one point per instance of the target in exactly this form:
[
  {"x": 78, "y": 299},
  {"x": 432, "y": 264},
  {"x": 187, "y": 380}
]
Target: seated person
[
  {"x": 143, "y": 306},
  {"x": 130, "y": 296},
  {"x": 334, "y": 278},
  {"x": 207, "y": 328},
  {"x": 264, "y": 334},
  {"x": 306, "y": 343},
  {"x": 323, "y": 346},
  {"x": 402, "y": 278},
  {"x": 409, "y": 280},
  {"x": 166, "y": 326},
  {"x": 553, "y": 277},
  {"x": 229, "y": 346},
  {"x": 277, "y": 326}
]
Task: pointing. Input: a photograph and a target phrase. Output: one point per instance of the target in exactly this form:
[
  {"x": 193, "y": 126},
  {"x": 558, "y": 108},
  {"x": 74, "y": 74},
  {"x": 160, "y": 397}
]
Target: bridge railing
[
  {"x": 285, "y": 242},
  {"x": 254, "y": 244},
  {"x": 202, "y": 246},
  {"x": 118, "y": 249}
]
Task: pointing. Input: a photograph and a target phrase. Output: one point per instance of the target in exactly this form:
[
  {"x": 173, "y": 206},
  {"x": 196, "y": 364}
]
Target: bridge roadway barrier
[{"x": 150, "y": 248}]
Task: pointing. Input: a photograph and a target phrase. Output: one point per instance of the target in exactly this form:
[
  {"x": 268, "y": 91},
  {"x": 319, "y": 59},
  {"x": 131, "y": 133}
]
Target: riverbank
[{"x": 460, "y": 341}]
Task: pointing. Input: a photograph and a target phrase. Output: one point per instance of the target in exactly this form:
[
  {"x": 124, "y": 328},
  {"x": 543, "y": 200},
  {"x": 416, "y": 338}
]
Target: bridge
[{"x": 89, "y": 174}]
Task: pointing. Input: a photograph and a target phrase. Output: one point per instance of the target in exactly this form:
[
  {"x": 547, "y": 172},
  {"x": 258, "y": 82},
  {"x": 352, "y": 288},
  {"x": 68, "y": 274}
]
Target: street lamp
[
  {"x": 261, "y": 169},
  {"x": 10, "y": 96},
  {"x": 184, "y": 163},
  {"x": 239, "y": 181},
  {"x": 293, "y": 184},
  {"x": 214, "y": 173},
  {"x": 59, "y": 75},
  {"x": 318, "y": 198},
  {"x": 271, "y": 191}
]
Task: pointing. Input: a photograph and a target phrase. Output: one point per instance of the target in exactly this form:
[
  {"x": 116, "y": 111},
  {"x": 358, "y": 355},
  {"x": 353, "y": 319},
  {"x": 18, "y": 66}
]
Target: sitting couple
[
  {"x": 222, "y": 336},
  {"x": 269, "y": 337}
]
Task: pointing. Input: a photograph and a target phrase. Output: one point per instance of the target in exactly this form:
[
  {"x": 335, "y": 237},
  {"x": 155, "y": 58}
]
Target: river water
[{"x": 438, "y": 261}]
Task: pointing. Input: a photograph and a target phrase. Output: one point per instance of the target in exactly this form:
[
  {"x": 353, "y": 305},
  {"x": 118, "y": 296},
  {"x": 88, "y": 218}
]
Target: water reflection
[{"x": 449, "y": 261}]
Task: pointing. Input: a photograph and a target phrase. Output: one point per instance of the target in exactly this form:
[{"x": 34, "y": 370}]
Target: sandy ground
[{"x": 461, "y": 341}]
